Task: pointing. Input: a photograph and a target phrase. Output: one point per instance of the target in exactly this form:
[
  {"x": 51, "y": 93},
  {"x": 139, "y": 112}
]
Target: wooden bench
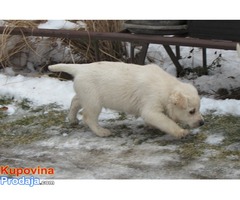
[{"x": 134, "y": 39}]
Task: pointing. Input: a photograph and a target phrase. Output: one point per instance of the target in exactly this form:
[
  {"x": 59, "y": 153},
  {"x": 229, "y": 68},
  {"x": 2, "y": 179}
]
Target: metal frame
[{"x": 143, "y": 40}]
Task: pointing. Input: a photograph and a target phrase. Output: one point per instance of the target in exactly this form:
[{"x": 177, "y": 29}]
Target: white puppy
[{"x": 146, "y": 91}]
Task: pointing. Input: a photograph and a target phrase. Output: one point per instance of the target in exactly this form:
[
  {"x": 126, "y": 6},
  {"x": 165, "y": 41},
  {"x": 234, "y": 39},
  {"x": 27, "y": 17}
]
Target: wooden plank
[{"x": 155, "y": 39}]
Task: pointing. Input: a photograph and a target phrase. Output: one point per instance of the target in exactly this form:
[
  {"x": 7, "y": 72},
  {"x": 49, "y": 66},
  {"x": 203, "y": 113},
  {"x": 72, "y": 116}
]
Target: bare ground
[{"x": 32, "y": 137}]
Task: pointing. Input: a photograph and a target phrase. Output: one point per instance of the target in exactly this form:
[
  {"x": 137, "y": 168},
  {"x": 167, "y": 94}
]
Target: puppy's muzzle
[
  {"x": 201, "y": 122},
  {"x": 197, "y": 124}
]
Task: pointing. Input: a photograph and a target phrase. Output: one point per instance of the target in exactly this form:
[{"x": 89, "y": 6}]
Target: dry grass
[
  {"x": 14, "y": 46},
  {"x": 24, "y": 23},
  {"x": 108, "y": 50}
]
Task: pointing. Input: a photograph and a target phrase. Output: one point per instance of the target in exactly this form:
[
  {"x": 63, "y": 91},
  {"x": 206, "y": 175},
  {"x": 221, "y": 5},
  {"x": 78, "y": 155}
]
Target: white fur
[{"x": 145, "y": 91}]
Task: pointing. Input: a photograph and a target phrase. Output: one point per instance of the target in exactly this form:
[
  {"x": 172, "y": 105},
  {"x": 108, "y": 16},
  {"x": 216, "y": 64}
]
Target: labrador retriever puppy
[{"x": 145, "y": 91}]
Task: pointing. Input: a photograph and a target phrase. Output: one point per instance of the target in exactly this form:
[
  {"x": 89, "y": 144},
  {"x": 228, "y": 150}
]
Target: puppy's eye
[{"x": 191, "y": 112}]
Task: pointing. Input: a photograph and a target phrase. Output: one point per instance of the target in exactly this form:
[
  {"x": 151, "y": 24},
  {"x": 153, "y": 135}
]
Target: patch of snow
[
  {"x": 108, "y": 114},
  {"x": 8, "y": 109},
  {"x": 11, "y": 109},
  {"x": 9, "y": 71},
  {"x": 234, "y": 147},
  {"x": 226, "y": 75},
  {"x": 220, "y": 107},
  {"x": 195, "y": 131},
  {"x": 40, "y": 91},
  {"x": 215, "y": 139},
  {"x": 197, "y": 166},
  {"x": 61, "y": 24}
]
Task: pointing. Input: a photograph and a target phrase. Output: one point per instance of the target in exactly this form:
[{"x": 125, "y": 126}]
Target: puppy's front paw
[
  {"x": 102, "y": 132},
  {"x": 183, "y": 133},
  {"x": 72, "y": 122}
]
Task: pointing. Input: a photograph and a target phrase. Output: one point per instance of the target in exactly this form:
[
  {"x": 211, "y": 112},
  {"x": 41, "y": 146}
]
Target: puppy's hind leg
[
  {"x": 90, "y": 117},
  {"x": 75, "y": 107}
]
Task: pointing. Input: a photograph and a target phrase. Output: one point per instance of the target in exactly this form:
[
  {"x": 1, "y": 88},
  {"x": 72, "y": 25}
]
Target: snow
[
  {"x": 215, "y": 139},
  {"x": 45, "y": 90},
  {"x": 220, "y": 107},
  {"x": 39, "y": 90},
  {"x": 61, "y": 24}
]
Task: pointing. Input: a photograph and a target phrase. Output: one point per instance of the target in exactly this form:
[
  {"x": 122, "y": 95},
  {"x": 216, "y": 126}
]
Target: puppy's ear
[{"x": 178, "y": 99}]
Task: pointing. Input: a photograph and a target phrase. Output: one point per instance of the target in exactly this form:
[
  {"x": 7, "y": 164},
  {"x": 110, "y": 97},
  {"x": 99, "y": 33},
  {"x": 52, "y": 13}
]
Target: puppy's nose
[{"x": 201, "y": 123}]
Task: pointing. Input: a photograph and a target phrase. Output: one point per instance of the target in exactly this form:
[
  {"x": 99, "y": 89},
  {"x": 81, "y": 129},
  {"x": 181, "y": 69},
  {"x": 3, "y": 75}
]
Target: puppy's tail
[
  {"x": 238, "y": 49},
  {"x": 68, "y": 68}
]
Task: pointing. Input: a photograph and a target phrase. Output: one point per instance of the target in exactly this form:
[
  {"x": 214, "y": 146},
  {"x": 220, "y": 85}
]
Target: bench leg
[
  {"x": 204, "y": 54},
  {"x": 141, "y": 56},
  {"x": 174, "y": 59}
]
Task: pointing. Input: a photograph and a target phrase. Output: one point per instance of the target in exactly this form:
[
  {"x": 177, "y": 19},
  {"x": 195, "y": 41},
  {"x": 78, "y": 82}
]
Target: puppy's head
[{"x": 184, "y": 105}]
